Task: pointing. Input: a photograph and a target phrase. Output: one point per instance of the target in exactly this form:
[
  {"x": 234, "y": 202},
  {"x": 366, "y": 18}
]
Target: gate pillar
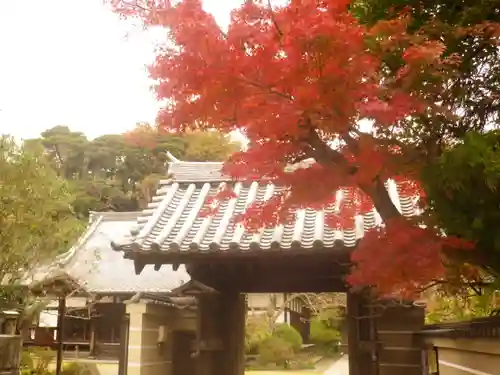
[
  {"x": 221, "y": 334},
  {"x": 361, "y": 335},
  {"x": 400, "y": 346},
  {"x": 233, "y": 334},
  {"x": 383, "y": 336},
  {"x": 208, "y": 340}
]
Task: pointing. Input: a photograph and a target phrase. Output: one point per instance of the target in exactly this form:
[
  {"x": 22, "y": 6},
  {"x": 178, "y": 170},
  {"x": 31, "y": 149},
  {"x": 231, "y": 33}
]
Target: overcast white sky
[{"x": 73, "y": 62}]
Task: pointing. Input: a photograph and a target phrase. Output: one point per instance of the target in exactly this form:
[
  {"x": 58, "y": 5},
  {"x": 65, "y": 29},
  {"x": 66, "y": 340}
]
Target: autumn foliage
[{"x": 298, "y": 80}]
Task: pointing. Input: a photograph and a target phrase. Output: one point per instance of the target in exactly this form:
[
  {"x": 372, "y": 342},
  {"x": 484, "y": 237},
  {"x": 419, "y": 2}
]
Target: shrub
[
  {"x": 75, "y": 368},
  {"x": 256, "y": 331},
  {"x": 36, "y": 361},
  {"x": 322, "y": 334},
  {"x": 325, "y": 337},
  {"x": 290, "y": 335},
  {"x": 275, "y": 350}
]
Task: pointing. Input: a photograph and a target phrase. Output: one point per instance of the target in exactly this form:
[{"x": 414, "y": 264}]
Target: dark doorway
[{"x": 182, "y": 362}]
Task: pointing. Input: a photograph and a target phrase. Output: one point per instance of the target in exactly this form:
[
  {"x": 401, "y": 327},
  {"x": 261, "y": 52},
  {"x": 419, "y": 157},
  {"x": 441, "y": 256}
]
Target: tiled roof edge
[
  {"x": 64, "y": 258},
  {"x": 56, "y": 268},
  {"x": 115, "y": 216},
  {"x": 210, "y": 171},
  {"x": 59, "y": 274}
]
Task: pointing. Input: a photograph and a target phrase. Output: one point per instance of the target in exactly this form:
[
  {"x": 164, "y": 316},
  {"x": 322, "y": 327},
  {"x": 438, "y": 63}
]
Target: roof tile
[
  {"x": 98, "y": 269},
  {"x": 172, "y": 221}
]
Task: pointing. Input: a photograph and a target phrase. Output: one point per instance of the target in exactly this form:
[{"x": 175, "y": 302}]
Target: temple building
[
  {"x": 102, "y": 287},
  {"x": 113, "y": 314}
]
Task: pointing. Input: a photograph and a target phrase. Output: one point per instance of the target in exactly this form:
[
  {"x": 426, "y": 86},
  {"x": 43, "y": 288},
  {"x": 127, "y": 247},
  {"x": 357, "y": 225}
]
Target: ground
[
  {"x": 339, "y": 367},
  {"x": 325, "y": 367}
]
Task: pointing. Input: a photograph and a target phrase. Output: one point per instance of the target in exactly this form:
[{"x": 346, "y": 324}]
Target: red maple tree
[{"x": 297, "y": 80}]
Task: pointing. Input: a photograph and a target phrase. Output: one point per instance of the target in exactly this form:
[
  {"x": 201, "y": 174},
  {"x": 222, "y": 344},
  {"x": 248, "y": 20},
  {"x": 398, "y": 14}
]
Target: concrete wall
[
  {"x": 146, "y": 356},
  {"x": 466, "y": 356},
  {"x": 259, "y": 303},
  {"x": 262, "y": 300}
]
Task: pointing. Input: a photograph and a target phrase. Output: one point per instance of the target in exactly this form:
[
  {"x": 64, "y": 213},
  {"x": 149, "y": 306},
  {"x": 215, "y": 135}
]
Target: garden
[
  {"x": 280, "y": 347},
  {"x": 41, "y": 361}
]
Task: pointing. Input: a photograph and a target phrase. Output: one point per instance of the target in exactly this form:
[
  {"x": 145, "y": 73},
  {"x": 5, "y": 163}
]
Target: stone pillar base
[{"x": 151, "y": 338}]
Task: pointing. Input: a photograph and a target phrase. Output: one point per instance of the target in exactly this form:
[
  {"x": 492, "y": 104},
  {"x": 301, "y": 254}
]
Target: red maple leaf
[{"x": 296, "y": 79}]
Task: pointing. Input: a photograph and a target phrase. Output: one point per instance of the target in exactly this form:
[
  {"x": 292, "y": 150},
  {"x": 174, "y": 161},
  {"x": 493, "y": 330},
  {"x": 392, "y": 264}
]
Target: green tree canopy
[
  {"x": 467, "y": 28},
  {"x": 120, "y": 172},
  {"x": 463, "y": 191},
  {"x": 36, "y": 218}
]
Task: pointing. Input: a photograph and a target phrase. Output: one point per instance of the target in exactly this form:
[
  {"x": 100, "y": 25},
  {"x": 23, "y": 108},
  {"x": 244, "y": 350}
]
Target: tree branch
[
  {"x": 376, "y": 190},
  {"x": 271, "y": 13},
  {"x": 324, "y": 154}
]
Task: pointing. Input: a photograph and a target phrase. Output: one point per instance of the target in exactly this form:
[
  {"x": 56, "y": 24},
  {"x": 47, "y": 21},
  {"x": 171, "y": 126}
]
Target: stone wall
[{"x": 146, "y": 354}]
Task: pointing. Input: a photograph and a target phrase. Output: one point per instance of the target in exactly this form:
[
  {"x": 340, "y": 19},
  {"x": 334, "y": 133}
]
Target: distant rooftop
[
  {"x": 182, "y": 171},
  {"x": 96, "y": 268}
]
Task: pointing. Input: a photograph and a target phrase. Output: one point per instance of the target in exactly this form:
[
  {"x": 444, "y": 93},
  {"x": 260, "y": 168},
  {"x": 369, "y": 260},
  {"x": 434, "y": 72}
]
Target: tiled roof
[
  {"x": 172, "y": 221},
  {"x": 96, "y": 268},
  {"x": 197, "y": 172}
]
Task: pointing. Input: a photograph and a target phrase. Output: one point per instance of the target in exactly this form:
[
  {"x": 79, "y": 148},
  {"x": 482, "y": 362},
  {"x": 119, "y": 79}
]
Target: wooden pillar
[
  {"x": 93, "y": 338},
  {"x": 306, "y": 318},
  {"x": 182, "y": 363},
  {"x": 221, "y": 334},
  {"x": 233, "y": 334},
  {"x": 60, "y": 334},
  {"x": 362, "y": 342},
  {"x": 123, "y": 356},
  {"x": 286, "y": 309},
  {"x": 352, "y": 332},
  {"x": 208, "y": 334}
]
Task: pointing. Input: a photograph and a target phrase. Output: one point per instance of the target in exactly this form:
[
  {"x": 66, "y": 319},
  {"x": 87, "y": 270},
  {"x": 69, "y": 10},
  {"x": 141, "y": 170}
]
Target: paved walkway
[{"x": 340, "y": 367}]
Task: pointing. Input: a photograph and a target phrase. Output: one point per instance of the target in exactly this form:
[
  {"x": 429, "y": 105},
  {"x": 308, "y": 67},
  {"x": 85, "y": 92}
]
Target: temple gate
[{"x": 225, "y": 260}]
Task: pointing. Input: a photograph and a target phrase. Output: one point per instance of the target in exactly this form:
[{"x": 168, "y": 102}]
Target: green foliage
[
  {"x": 120, "y": 172},
  {"x": 208, "y": 146},
  {"x": 325, "y": 334},
  {"x": 288, "y": 334},
  {"x": 322, "y": 333},
  {"x": 473, "y": 89},
  {"x": 40, "y": 361},
  {"x": 275, "y": 350},
  {"x": 256, "y": 331},
  {"x": 75, "y": 368},
  {"x": 49, "y": 184},
  {"x": 446, "y": 308},
  {"x": 463, "y": 191},
  {"x": 37, "y": 361},
  {"x": 36, "y": 216}
]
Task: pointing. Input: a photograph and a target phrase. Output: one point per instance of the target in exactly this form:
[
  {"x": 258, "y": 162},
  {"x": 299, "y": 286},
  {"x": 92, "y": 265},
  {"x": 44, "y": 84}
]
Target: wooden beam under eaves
[{"x": 193, "y": 288}]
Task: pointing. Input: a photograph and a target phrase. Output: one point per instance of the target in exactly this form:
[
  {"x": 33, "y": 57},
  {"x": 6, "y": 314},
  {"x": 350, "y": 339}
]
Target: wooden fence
[{"x": 463, "y": 348}]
